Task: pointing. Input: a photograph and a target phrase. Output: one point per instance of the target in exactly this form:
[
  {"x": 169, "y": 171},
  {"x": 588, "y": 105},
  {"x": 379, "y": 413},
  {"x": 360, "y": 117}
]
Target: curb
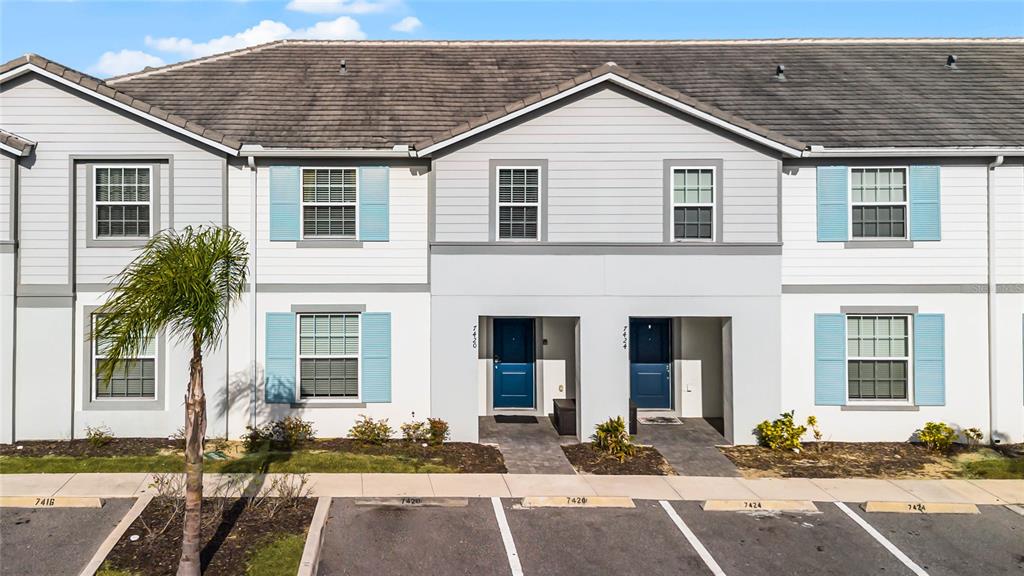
[
  {"x": 310, "y": 562},
  {"x": 108, "y": 544}
]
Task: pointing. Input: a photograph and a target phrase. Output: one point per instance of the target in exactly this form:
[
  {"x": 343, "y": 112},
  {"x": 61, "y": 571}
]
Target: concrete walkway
[
  {"x": 518, "y": 485},
  {"x": 527, "y": 447}
]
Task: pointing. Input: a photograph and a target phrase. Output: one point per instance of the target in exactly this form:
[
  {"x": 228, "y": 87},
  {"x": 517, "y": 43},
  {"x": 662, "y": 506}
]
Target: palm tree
[{"x": 185, "y": 283}]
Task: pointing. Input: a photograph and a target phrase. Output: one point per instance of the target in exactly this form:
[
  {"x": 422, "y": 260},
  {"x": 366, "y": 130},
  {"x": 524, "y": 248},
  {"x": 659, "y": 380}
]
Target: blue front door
[
  {"x": 513, "y": 362},
  {"x": 650, "y": 362}
]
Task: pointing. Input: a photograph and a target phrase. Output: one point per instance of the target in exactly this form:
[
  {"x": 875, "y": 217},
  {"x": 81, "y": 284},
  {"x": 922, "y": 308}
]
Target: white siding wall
[
  {"x": 605, "y": 174},
  {"x": 1009, "y": 223},
  {"x": 960, "y": 257},
  {"x": 66, "y": 123},
  {"x": 966, "y": 365},
  {"x": 7, "y": 168},
  {"x": 402, "y": 259}
]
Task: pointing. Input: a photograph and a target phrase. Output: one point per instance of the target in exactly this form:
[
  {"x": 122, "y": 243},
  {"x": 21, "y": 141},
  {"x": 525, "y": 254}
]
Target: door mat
[
  {"x": 512, "y": 419},
  {"x": 659, "y": 420}
]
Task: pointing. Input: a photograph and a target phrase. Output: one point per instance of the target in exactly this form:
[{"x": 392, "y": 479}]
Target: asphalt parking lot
[
  {"x": 466, "y": 536},
  {"x": 55, "y": 541}
]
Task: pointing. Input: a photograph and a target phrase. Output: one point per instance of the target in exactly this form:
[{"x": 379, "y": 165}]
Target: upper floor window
[
  {"x": 878, "y": 357},
  {"x": 127, "y": 378},
  {"x": 329, "y": 201},
  {"x": 693, "y": 203},
  {"x": 328, "y": 356},
  {"x": 123, "y": 198},
  {"x": 878, "y": 202},
  {"x": 518, "y": 203}
]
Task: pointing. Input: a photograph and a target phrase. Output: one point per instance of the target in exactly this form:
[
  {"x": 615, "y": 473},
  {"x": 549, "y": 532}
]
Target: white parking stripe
[
  {"x": 883, "y": 540},
  {"x": 506, "y": 537},
  {"x": 692, "y": 539}
]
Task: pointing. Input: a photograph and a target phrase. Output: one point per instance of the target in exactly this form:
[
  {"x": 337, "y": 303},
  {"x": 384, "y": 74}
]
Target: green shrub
[
  {"x": 974, "y": 437},
  {"x": 782, "y": 433},
  {"x": 371, "y": 431},
  {"x": 415, "y": 431},
  {"x": 613, "y": 437},
  {"x": 937, "y": 436},
  {"x": 284, "y": 434},
  {"x": 439, "y": 431},
  {"x": 98, "y": 436}
]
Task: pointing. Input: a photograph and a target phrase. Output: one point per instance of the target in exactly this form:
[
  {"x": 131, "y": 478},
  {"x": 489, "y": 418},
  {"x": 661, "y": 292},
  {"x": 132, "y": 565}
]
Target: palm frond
[{"x": 184, "y": 283}]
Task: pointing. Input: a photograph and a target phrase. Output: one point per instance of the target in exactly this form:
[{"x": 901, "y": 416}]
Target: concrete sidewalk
[{"x": 519, "y": 485}]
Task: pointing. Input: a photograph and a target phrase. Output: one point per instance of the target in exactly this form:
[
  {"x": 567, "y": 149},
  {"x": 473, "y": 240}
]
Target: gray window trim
[
  {"x": 869, "y": 243},
  {"x": 88, "y": 382},
  {"x": 667, "y": 166},
  {"x": 90, "y": 206},
  {"x": 328, "y": 242},
  {"x": 492, "y": 202},
  {"x": 880, "y": 407},
  {"x": 328, "y": 308},
  {"x": 879, "y": 310}
]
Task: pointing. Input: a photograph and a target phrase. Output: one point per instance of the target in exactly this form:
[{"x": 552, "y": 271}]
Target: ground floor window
[
  {"x": 328, "y": 355},
  {"x": 127, "y": 378},
  {"x": 878, "y": 357}
]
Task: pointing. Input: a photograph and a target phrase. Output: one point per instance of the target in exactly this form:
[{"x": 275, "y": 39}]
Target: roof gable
[
  {"x": 96, "y": 88},
  {"x": 611, "y": 73}
]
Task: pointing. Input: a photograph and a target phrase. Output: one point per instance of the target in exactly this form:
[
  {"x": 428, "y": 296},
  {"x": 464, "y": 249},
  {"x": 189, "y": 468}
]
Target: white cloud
[
  {"x": 342, "y": 28},
  {"x": 408, "y": 24},
  {"x": 343, "y": 6},
  {"x": 123, "y": 62}
]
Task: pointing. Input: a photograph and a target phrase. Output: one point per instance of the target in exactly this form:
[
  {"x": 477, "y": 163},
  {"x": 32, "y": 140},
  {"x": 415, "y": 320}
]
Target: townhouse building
[{"x": 723, "y": 230}]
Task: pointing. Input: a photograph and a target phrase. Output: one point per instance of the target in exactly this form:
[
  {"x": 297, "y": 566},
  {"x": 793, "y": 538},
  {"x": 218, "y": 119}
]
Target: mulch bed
[
  {"x": 83, "y": 447},
  {"x": 843, "y": 460},
  {"x": 466, "y": 457},
  {"x": 587, "y": 459},
  {"x": 229, "y": 533}
]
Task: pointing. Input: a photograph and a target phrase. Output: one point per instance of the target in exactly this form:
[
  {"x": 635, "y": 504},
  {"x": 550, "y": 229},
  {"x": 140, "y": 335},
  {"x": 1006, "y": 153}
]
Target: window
[
  {"x": 123, "y": 201},
  {"x": 518, "y": 203},
  {"x": 130, "y": 378},
  {"x": 878, "y": 357},
  {"x": 693, "y": 203},
  {"x": 878, "y": 202},
  {"x": 329, "y": 202},
  {"x": 328, "y": 356}
]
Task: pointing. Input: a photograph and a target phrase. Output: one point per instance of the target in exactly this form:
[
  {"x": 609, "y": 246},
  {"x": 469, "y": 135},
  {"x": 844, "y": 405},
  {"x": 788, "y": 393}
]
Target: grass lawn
[
  {"x": 301, "y": 461},
  {"x": 990, "y": 465},
  {"x": 278, "y": 555}
]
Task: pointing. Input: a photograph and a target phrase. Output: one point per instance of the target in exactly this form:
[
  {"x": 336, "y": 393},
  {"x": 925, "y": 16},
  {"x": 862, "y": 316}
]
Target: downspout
[
  {"x": 252, "y": 285},
  {"x": 993, "y": 407}
]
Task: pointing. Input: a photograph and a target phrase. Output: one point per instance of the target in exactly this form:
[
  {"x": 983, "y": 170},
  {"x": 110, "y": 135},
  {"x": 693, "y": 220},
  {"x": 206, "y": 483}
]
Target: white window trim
[
  {"x": 849, "y": 197},
  {"x": 674, "y": 204},
  {"x": 499, "y": 204},
  {"x": 96, "y": 357},
  {"x": 909, "y": 400},
  {"x": 153, "y": 226},
  {"x": 358, "y": 398},
  {"x": 303, "y": 204}
]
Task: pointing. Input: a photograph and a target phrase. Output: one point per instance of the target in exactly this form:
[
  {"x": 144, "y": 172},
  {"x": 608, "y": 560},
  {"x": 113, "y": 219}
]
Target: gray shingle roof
[
  {"x": 100, "y": 87},
  {"x": 837, "y": 93},
  {"x": 12, "y": 140}
]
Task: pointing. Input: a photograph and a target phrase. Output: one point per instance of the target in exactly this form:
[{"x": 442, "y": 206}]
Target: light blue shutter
[
  {"x": 279, "y": 367},
  {"x": 373, "y": 203},
  {"x": 925, "y": 212},
  {"x": 833, "y": 198},
  {"x": 284, "y": 202},
  {"x": 376, "y": 357},
  {"x": 829, "y": 359},
  {"x": 930, "y": 359}
]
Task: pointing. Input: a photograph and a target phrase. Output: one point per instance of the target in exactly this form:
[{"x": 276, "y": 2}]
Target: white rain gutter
[
  {"x": 993, "y": 406},
  {"x": 254, "y": 243},
  {"x": 256, "y": 150},
  {"x": 960, "y": 151}
]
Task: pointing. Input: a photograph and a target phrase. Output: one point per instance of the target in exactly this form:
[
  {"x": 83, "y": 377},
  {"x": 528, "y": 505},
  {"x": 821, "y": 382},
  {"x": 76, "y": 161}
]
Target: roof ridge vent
[
  {"x": 343, "y": 67},
  {"x": 780, "y": 73},
  {"x": 951, "y": 62}
]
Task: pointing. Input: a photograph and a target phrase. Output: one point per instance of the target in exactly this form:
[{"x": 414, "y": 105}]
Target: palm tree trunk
[{"x": 195, "y": 432}]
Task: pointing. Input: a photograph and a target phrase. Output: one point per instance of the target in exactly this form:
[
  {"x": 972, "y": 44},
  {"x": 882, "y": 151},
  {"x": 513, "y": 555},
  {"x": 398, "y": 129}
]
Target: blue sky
[{"x": 107, "y": 38}]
